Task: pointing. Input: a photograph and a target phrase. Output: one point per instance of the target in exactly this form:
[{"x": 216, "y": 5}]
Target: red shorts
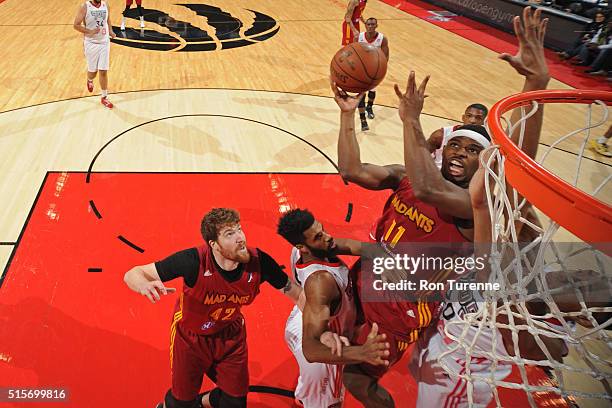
[
  {"x": 397, "y": 347},
  {"x": 347, "y": 34},
  {"x": 223, "y": 357},
  {"x": 128, "y": 3}
]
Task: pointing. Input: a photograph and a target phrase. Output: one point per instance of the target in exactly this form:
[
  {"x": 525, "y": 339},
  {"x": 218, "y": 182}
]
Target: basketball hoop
[
  {"x": 578, "y": 212},
  {"x": 524, "y": 270}
]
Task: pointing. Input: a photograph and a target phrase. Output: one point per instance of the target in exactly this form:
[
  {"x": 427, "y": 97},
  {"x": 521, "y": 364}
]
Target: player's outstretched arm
[
  {"x": 369, "y": 176},
  {"x": 530, "y": 62},
  {"x": 145, "y": 280},
  {"x": 321, "y": 291},
  {"x": 427, "y": 182}
]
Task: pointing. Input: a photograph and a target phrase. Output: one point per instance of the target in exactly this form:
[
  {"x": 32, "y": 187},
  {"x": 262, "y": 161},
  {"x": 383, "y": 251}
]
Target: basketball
[{"x": 358, "y": 67}]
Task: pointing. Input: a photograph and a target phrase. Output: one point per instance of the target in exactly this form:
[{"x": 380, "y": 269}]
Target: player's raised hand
[
  {"x": 153, "y": 289},
  {"x": 411, "y": 102},
  {"x": 334, "y": 341},
  {"x": 529, "y": 60},
  {"x": 375, "y": 350},
  {"x": 346, "y": 102}
]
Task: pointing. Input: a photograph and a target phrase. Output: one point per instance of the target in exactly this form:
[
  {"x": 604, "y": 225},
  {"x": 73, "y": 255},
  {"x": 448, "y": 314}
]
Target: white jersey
[
  {"x": 97, "y": 17},
  {"x": 320, "y": 385},
  {"x": 377, "y": 41},
  {"x": 453, "y": 390},
  {"x": 459, "y": 303},
  {"x": 343, "y": 321},
  {"x": 447, "y": 130}
]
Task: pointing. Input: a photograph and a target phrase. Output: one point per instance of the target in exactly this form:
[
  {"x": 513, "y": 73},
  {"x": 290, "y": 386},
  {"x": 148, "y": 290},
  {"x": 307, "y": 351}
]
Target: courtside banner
[
  {"x": 561, "y": 272},
  {"x": 563, "y": 28}
]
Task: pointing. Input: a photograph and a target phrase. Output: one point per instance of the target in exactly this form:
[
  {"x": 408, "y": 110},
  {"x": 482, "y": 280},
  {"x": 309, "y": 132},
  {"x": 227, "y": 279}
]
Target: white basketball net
[{"x": 524, "y": 281}]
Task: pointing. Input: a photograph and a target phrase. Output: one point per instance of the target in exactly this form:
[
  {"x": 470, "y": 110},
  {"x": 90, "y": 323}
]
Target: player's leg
[
  {"x": 103, "y": 65},
  {"x": 92, "y": 65},
  {"x": 371, "y": 97},
  {"x": 366, "y": 388},
  {"x": 362, "y": 114},
  {"x": 347, "y": 34},
  {"x": 128, "y": 4},
  {"x": 189, "y": 361},
  {"x": 140, "y": 12},
  {"x": 362, "y": 380},
  {"x": 231, "y": 372},
  {"x": 316, "y": 381}
]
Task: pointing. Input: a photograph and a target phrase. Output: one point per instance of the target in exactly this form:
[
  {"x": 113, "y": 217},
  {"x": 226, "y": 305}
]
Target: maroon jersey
[
  {"x": 358, "y": 11},
  {"x": 407, "y": 219},
  {"x": 213, "y": 303}
]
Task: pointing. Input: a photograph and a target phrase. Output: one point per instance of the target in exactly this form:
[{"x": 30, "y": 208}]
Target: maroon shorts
[
  {"x": 223, "y": 357},
  {"x": 347, "y": 34},
  {"x": 129, "y": 2},
  {"x": 397, "y": 347}
]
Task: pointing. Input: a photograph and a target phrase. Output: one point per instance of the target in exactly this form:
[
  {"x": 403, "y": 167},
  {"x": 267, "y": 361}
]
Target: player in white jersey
[
  {"x": 93, "y": 20},
  {"x": 371, "y": 36},
  {"x": 329, "y": 313},
  {"x": 475, "y": 114}
]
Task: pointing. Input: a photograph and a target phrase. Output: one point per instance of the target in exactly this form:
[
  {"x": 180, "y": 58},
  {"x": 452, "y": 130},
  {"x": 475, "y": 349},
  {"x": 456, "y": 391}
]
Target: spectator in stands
[
  {"x": 591, "y": 49},
  {"x": 601, "y": 65},
  {"x": 590, "y": 31}
]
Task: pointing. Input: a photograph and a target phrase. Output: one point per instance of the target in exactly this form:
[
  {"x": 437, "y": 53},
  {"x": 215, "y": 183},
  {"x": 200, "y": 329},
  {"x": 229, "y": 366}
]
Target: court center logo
[{"x": 181, "y": 36}]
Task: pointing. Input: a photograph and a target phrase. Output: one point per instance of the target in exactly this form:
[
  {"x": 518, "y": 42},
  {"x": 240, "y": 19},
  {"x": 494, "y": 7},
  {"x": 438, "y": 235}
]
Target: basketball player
[
  {"x": 435, "y": 388},
  {"x": 329, "y": 305},
  {"x": 475, "y": 114},
  {"x": 93, "y": 20},
  {"x": 350, "y": 25},
  {"x": 208, "y": 334},
  {"x": 373, "y": 37},
  {"x": 128, "y": 4},
  {"x": 428, "y": 204}
]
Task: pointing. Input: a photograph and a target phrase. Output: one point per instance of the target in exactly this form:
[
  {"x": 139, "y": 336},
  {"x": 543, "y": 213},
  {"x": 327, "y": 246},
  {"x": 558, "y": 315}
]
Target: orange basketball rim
[{"x": 580, "y": 213}]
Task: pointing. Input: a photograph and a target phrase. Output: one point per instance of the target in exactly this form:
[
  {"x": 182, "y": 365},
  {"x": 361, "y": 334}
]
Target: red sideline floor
[{"x": 62, "y": 325}]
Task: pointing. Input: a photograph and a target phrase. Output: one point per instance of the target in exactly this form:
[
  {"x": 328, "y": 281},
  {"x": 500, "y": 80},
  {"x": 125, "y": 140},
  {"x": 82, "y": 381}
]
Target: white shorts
[
  {"x": 453, "y": 392},
  {"x": 316, "y": 381},
  {"x": 97, "y": 55}
]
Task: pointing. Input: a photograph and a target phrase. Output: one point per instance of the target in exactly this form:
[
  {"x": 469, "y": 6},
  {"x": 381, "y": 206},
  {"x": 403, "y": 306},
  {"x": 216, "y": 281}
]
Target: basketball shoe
[
  {"x": 370, "y": 112},
  {"x": 601, "y": 148},
  {"x": 107, "y": 104},
  {"x": 364, "y": 125},
  {"x": 90, "y": 85}
]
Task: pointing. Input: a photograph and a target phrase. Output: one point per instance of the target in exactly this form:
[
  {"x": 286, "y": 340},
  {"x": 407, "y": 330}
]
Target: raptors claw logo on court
[{"x": 229, "y": 31}]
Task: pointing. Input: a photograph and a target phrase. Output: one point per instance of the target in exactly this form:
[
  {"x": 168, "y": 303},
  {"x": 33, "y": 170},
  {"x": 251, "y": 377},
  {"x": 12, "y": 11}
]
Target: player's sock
[
  {"x": 364, "y": 125},
  {"x": 104, "y": 93},
  {"x": 371, "y": 97},
  {"x": 602, "y": 140},
  {"x": 142, "y": 22},
  {"x": 122, "y": 23}
]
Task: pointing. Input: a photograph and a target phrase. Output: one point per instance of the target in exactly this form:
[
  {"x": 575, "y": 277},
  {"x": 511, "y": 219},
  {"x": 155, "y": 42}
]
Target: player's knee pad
[
  {"x": 172, "y": 402},
  {"x": 139, "y": 7},
  {"x": 362, "y": 102},
  {"x": 219, "y": 399}
]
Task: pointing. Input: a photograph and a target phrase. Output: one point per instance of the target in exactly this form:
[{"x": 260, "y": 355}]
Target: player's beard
[
  {"x": 236, "y": 254},
  {"x": 322, "y": 253}
]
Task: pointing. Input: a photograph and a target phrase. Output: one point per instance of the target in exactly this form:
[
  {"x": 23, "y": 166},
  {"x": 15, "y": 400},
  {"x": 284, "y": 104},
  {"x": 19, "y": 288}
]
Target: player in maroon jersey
[
  {"x": 350, "y": 25},
  {"x": 208, "y": 333},
  {"x": 427, "y": 205}
]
